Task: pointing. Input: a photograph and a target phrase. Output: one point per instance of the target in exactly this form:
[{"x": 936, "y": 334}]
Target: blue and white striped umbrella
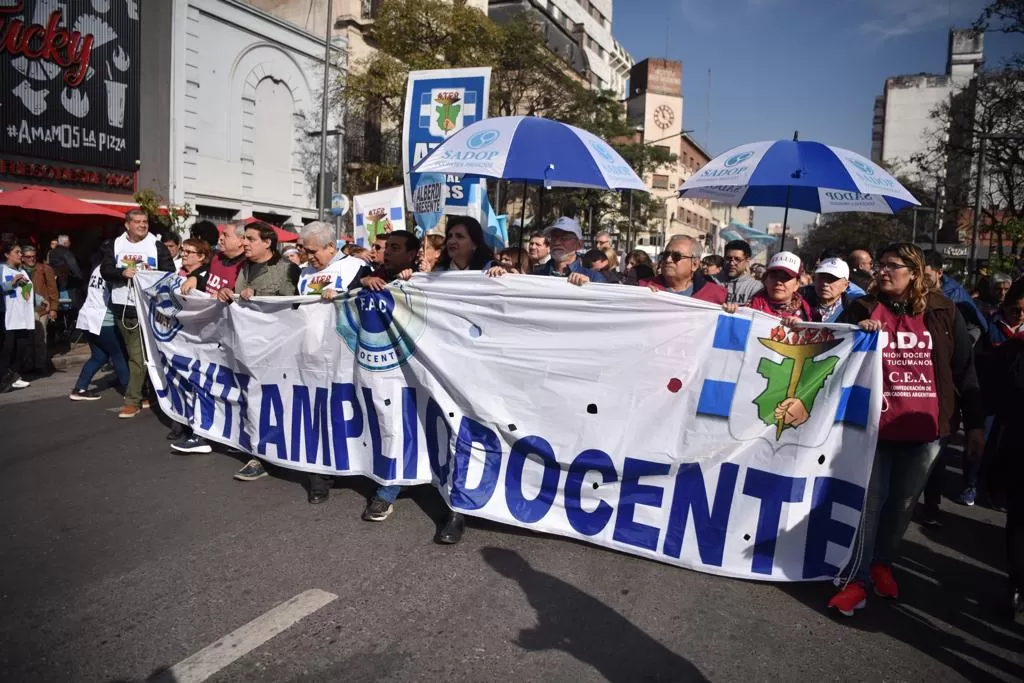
[
  {"x": 799, "y": 174},
  {"x": 532, "y": 150}
]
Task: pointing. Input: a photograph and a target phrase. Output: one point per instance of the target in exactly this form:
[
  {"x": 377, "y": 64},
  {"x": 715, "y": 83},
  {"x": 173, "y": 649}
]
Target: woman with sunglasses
[
  {"x": 681, "y": 273},
  {"x": 927, "y": 365}
]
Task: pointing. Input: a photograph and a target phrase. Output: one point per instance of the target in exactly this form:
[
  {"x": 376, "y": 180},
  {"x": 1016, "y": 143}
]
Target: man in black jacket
[{"x": 121, "y": 258}]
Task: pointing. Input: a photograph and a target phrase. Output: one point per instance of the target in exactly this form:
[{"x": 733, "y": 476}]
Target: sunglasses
[{"x": 676, "y": 256}]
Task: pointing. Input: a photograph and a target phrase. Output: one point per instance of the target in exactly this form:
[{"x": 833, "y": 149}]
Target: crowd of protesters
[{"x": 972, "y": 379}]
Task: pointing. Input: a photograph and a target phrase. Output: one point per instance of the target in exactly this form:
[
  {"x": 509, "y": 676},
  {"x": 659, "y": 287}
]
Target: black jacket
[{"x": 115, "y": 276}]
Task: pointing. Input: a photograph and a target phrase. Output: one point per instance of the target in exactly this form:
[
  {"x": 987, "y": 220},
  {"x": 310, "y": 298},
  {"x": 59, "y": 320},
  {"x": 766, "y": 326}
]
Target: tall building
[
  {"x": 655, "y": 109},
  {"x": 902, "y": 125},
  {"x": 580, "y": 32}
]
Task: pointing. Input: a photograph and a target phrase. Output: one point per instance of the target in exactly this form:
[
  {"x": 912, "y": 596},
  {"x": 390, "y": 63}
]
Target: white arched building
[{"x": 229, "y": 94}]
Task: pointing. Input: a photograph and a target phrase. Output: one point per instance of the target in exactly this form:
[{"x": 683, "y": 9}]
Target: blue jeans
[
  {"x": 104, "y": 346},
  {"x": 388, "y": 493},
  {"x": 897, "y": 479}
]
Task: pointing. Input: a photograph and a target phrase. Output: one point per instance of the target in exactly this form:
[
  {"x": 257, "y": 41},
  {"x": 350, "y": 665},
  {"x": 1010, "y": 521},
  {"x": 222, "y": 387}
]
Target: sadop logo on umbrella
[
  {"x": 861, "y": 166},
  {"x": 738, "y": 158},
  {"x": 603, "y": 151},
  {"x": 484, "y": 138}
]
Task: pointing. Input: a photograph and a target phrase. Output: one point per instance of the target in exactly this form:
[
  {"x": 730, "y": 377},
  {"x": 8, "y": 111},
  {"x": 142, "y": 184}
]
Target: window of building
[{"x": 659, "y": 182}]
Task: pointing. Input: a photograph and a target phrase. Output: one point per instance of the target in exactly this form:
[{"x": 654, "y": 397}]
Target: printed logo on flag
[
  {"x": 164, "y": 308},
  {"x": 378, "y": 222},
  {"x": 382, "y": 328},
  {"x": 446, "y": 110}
]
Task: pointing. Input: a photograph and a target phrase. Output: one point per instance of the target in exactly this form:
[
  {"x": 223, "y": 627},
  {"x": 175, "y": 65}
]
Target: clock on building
[{"x": 664, "y": 116}]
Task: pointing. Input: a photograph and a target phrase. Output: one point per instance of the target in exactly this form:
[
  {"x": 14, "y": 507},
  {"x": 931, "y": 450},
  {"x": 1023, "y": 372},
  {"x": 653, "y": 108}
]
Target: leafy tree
[
  {"x": 526, "y": 79},
  {"x": 848, "y": 231}
]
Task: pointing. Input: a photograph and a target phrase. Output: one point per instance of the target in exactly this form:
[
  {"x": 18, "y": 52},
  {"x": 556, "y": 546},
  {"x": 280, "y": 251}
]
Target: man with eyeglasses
[
  {"x": 740, "y": 286},
  {"x": 327, "y": 271},
  {"x": 681, "y": 274}
]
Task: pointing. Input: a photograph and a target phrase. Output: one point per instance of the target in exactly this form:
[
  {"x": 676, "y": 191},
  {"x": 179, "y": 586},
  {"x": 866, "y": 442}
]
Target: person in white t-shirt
[
  {"x": 327, "y": 274},
  {"x": 19, "y": 318},
  {"x": 97, "y": 321}
]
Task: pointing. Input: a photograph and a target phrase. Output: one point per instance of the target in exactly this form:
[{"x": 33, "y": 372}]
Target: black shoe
[
  {"x": 84, "y": 395},
  {"x": 317, "y": 496},
  {"x": 377, "y": 510},
  {"x": 177, "y": 431},
  {"x": 192, "y": 444},
  {"x": 453, "y": 529},
  {"x": 931, "y": 519},
  {"x": 6, "y": 381},
  {"x": 1015, "y": 610}
]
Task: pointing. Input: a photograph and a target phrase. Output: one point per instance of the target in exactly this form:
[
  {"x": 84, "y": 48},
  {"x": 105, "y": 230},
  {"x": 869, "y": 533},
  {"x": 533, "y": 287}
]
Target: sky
[{"x": 814, "y": 66}]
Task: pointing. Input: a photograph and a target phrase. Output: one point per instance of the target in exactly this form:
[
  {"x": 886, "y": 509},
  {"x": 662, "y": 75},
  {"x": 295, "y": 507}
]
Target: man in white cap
[
  {"x": 565, "y": 236},
  {"x": 829, "y": 295}
]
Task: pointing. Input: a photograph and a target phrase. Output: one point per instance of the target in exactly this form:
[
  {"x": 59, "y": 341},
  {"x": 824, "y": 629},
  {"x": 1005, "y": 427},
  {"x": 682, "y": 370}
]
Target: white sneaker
[{"x": 19, "y": 384}]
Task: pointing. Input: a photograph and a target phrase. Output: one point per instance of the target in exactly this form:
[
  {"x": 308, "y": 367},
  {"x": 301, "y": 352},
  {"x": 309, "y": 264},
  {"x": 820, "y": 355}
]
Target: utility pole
[{"x": 323, "y": 110}]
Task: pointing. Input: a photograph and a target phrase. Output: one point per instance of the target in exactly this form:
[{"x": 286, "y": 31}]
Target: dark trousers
[
  {"x": 14, "y": 354},
  {"x": 105, "y": 346},
  {"x": 1015, "y": 539}
]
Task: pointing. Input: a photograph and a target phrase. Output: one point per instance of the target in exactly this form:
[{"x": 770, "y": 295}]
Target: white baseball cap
[
  {"x": 786, "y": 261},
  {"x": 565, "y": 224},
  {"x": 836, "y": 267}
]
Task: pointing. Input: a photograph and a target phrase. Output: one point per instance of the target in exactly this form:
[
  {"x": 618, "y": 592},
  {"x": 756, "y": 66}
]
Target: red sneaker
[
  {"x": 849, "y": 599},
  {"x": 885, "y": 585}
]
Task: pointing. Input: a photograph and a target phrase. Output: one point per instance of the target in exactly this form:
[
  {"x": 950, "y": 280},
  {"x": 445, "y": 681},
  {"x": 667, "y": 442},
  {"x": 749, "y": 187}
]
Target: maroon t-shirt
[
  {"x": 223, "y": 273},
  {"x": 910, "y": 402}
]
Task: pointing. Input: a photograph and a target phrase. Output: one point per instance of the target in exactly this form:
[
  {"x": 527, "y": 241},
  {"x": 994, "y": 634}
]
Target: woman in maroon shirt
[{"x": 927, "y": 359}]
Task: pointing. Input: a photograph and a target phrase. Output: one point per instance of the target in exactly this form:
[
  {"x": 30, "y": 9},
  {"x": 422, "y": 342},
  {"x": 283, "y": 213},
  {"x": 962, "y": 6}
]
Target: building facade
[
  {"x": 578, "y": 31},
  {"x": 71, "y": 117},
  {"x": 229, "y": 95},
  {"x": 902, "y": 126},
  {"x": 655, "y": 109}
]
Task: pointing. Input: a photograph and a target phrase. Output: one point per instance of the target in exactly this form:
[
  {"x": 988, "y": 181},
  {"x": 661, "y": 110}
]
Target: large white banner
[{"x": 644, "y": 422}]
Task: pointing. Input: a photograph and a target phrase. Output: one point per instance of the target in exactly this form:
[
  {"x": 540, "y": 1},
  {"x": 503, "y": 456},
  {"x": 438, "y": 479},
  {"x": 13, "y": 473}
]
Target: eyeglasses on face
[
  {"x": 676, "y": 256},
  {"x": 735, "y": 259},
  {"x": 890, "y": 266}
]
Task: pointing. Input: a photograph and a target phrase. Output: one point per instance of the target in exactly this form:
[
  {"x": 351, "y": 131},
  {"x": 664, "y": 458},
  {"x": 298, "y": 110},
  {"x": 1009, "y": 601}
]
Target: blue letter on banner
[
  {"x": 773, "y": 490},
  {"x": 525, "y": 510},
  {"x": 633, "y": 493},
  {"x": 709, "y": 526},
  {"x": 588, "y": 523},
  {"x": 271, "y": 421},
  {"x": 342, "y": 429},
  {"x": 472, "y": 432},
  {"x": 823, "y": 529},
  {"x": 310, "y": 422}
]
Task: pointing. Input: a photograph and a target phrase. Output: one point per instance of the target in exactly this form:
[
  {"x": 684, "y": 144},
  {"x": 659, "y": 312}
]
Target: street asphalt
[{"x": 121, "y": 562}]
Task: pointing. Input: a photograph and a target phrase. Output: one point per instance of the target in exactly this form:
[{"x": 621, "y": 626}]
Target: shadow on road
[
  {"x": 942, "y": 600},
  {"x": 584, "y": 627}
]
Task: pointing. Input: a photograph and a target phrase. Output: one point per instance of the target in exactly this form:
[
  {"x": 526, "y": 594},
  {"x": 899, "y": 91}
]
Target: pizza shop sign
[
  {"x": 70, "y": 50},
  {"x": 68, "y": 174}
]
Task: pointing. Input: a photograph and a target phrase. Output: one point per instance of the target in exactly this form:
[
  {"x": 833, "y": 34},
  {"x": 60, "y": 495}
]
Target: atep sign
[{"x": 70, "y": 72}]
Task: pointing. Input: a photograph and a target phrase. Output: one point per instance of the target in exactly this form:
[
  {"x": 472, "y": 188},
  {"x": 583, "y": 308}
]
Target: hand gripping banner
[{"x": 644, "y": 422}]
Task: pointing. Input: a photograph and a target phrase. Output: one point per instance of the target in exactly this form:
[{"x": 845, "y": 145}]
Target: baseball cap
[
  {"x": 836, "y": 267},
  {"x": 786, "y": 261},
  {"x": 565, "y": 224}
]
